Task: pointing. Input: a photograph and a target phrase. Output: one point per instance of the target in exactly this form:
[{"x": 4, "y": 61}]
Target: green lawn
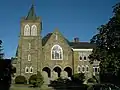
[{"x": 25, "y": 87}]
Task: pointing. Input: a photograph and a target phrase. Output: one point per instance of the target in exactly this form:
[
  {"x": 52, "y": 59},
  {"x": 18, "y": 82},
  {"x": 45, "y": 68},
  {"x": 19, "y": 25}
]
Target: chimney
[{"x": 76, "y": 39}]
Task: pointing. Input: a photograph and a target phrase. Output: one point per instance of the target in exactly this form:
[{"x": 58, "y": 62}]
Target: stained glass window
[{"x": 57, "y": 52}]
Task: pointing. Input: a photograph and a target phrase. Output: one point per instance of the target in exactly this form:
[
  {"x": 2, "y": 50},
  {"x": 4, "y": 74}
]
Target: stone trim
[{"x": 82, "y": 49}]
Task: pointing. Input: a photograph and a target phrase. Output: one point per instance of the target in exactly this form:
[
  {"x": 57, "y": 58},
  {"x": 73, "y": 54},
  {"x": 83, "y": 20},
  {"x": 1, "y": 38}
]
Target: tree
[
  {"x": 1, "y": 53},
  {"x": 5, "y": 74},
  {"x": 39, "y": 79},
  {"x": 5, "y": 70},
  {"x": 107, "y": 49}
]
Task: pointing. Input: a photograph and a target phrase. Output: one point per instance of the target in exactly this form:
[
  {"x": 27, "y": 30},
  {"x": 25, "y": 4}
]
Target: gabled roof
[
  {"x": 75, "y": 45},
  {"x": 81, "y": 45},
  {"x": 45, "y": 38},
  {"x": 31, "y": 14}
]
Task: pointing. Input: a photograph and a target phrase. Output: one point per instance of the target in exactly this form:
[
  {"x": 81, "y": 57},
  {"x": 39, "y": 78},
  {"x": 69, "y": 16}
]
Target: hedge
[{"x": 20, "y": 80}]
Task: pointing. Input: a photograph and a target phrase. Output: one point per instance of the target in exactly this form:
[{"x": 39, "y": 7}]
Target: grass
[{"x": 26, "y": 87}]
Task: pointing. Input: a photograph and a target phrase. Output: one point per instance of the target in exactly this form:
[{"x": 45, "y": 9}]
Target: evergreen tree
[
  {"x": 40, "y": 80},
  {"x": 107, "y": 49},
  {"x": 1, "y": 53}
]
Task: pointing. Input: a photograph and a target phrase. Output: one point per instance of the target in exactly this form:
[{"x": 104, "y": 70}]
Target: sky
[{"x": 73, "y": 18}]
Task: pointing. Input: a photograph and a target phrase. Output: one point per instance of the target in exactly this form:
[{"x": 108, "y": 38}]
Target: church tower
[{"x": 29, "y": 51}]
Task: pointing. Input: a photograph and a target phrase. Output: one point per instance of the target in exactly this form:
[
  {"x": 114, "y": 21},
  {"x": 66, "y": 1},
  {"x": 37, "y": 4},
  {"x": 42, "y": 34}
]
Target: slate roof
[
  {"x": 75, "y": 45},
  {"x": 81, "y": 45},
  {"x": 45, "y": 39},
  {"x": 31, "y": 14}
]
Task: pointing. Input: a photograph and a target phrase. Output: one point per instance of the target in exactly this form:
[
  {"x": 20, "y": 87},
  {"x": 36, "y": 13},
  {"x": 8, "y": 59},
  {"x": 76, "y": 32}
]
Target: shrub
[
  {"x": 32, "y": 79},
  {"x": 36, "y": 80},
  {"x": 78, "y": 78},
  {"x": 20, "y": 80},
  {"x": 91, "y": 80}
]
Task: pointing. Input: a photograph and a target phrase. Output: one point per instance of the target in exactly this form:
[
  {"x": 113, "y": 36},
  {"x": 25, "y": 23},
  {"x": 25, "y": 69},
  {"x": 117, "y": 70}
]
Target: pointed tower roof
[{"x": 31, "y": 14}]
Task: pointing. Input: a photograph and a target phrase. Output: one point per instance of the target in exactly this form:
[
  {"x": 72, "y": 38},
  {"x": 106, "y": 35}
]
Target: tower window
[
  {"x": 27, "y": 30},
  {"x": 29, "y": 57},
  {"x": 31, "y": 69},
  {"x": 34, "y": 30},
  {"x": 56, "y": 53},
  {"x": 26, "y": 69}
]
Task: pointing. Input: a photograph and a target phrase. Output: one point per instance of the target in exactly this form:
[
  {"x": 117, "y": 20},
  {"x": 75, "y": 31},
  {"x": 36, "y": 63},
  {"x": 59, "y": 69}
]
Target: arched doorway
[
  {"x": 58, "y": 70},
  {"x": 69, "y": 71},
  {"x": 46, "y": 69}
]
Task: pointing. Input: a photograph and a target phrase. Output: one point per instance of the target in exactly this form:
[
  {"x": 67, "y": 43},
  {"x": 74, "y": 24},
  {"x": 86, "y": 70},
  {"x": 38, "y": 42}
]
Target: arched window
[
  {"x": 31, "y": 69},
  {"x": 80, "y": 58},
  {"x": 34, "y": 30},
  {"x": 27, "y": 30},
  {"x": 29, "y": 57},
  {"x": 26, "y": 69},
  {"x": 83, "y": 69},
  {"x": 79, "y": 69},
  {"x": 87, "y": 68},
  {"x": 85, "y": 58},
  {"x": 56, "y": 53}
]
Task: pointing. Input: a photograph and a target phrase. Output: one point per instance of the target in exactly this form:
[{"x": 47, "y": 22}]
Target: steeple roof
[{"x": 31, "y": 14}]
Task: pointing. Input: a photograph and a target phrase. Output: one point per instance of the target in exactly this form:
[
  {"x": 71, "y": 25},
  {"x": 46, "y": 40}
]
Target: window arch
[
  {"x": 85, "y": 58},
  {"x": 56, "y": 53},
  {"x": 27, "y": 30},
  {"x": 26, "y": 69},
  {"x": 34, "y": 30},
  {"x": 79, "y": 69},
  {"x": 83, "y": 69},
  {"x": 80, "y": 58},
  {"x": 31, "y": 69},
  {"x": 29, "y": 57}
]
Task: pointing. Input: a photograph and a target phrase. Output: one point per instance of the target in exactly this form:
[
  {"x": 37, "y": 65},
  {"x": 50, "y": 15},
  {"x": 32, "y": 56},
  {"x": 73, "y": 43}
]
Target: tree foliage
[
  {"x": 1, "y": 53},
  {"x": 5, "y": 70},
  {"x": 5, "y": 74},
  {"x": 40, "y": 79},
  {"x": 107, "y": 41}
]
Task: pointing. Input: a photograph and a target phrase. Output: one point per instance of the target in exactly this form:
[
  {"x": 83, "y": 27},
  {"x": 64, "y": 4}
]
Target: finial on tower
[{"x": 33, "y": 2}]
